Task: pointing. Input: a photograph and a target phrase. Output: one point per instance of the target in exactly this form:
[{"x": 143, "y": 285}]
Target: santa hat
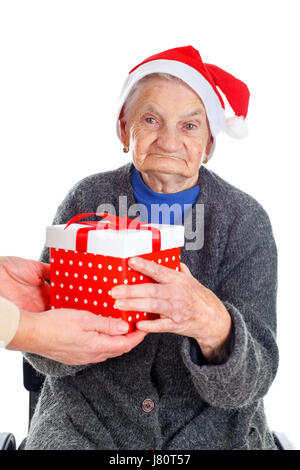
[{"x": 186, "y": 64}]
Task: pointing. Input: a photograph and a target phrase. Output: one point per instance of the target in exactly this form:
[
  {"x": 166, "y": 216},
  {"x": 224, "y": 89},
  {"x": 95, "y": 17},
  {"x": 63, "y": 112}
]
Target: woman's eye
[
  {"x": 190, "y": 126},
  {"x": 150, "y": 120}
]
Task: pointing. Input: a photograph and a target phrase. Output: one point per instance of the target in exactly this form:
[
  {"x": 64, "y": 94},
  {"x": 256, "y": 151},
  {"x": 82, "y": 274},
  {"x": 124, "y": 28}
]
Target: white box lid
[{"x": 118, "y": 243}]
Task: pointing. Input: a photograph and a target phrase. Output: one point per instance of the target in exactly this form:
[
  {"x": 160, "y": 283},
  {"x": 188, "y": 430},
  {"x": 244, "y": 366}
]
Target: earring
[{"x": 125, "y": 149}]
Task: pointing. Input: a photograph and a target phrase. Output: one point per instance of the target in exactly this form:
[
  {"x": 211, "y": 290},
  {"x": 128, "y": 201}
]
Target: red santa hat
[{"x": 186, "y": 64}]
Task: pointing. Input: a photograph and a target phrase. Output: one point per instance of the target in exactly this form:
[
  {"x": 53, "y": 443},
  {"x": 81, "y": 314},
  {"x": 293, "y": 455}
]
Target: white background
[{"x": 63, "y": 64}]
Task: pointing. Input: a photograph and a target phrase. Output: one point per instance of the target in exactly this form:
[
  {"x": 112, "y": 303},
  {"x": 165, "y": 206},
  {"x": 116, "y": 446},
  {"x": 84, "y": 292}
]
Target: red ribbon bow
[{"x": 111, "y": 222}]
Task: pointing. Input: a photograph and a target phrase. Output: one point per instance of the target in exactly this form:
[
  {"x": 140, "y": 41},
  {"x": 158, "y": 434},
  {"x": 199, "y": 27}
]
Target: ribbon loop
[{"x": 111, "y": 222}]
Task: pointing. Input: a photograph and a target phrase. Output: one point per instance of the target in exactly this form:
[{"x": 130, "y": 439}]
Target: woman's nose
[{"x": 168, "y": 139}]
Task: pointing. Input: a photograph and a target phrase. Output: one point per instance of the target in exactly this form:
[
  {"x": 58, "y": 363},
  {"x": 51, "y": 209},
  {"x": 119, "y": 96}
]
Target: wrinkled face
[{"x": 167, "y": 130}]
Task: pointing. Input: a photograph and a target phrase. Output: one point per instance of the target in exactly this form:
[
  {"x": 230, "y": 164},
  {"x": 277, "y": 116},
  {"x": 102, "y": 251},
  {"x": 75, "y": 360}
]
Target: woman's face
[{"x": 167, "y": 130}]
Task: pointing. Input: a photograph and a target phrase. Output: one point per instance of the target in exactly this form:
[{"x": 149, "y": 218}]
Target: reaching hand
[
  {"x": 23, "y": 282},
  {"x": 74, "y": 337}
]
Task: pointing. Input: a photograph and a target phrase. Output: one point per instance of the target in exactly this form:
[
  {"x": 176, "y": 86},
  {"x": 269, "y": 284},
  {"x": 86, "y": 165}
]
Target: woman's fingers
[
  {"x": 172, "y": 309},
  {"x": 144, "y": 305},
  {"x": 162, "y": 325},
  {"x": 169, "y": 297},
  {"x": 156, "y": 271},
  {"x": 173, "y": 296},
  {"x": 147, "y": 289}
]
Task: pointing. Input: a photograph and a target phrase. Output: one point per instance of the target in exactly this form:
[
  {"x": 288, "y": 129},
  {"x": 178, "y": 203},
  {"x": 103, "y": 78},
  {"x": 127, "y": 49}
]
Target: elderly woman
[{"x": 198, "y": 376}]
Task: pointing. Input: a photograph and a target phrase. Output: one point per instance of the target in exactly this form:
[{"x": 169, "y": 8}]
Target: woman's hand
[
  {"x": 22, "y": 281},
  {"x": 185, "y": 306}
]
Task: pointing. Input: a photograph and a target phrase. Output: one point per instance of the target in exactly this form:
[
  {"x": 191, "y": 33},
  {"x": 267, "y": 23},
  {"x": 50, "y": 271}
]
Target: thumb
[
  {"x": 41, "y": 269},
  {"x": 110, "y": 326},
  {"x": 44, "y": 270},
  {"x": 185, "y": 269}
]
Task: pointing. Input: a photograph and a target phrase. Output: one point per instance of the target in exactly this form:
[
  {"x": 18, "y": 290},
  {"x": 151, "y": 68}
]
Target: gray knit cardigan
[{"x": 197, "y": 405}]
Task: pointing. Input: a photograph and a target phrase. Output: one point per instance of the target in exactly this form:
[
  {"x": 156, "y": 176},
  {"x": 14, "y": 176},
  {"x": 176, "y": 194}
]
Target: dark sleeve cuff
[{"x": 196, "y": 353}]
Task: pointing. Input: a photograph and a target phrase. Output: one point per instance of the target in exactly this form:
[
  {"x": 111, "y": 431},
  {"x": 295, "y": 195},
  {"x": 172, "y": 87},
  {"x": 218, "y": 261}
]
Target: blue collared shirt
[{"x": 162, "y": 208}]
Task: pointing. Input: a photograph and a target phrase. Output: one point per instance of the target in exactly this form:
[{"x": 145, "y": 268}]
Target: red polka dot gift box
[{"x": 87, "y": 259}]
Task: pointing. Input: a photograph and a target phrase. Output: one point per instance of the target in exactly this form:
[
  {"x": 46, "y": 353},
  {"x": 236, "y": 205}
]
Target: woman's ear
[
  {"x": 208, "y": 148},
  {"x": 124, "y": 134}
]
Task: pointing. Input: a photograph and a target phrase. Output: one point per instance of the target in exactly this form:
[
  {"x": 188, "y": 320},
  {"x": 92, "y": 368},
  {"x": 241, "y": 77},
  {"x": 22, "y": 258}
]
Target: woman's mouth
[{"x": 166, "y": 156}]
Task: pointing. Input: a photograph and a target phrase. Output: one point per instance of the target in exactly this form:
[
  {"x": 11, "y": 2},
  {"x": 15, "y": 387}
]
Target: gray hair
[{"x": 134, "y": 93}]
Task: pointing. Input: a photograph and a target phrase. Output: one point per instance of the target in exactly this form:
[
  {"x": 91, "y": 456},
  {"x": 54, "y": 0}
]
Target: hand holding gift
[
  {"x": 73, "y": 337},
  {"x": 69, "y": 336},
  {"x": 185, "y": 306}
]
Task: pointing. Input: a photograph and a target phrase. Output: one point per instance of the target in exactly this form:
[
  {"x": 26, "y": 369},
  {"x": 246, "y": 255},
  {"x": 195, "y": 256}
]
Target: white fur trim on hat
[
  {"x": 236, "y": 127},
  {"x": 214, "y": 111}
]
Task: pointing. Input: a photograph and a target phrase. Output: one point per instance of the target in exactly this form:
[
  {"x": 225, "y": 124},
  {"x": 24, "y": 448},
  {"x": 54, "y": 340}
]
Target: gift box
[{"x": 87, "y": 259}]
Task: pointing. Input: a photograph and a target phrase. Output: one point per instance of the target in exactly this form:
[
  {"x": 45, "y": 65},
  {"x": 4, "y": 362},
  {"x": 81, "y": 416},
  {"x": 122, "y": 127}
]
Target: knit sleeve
[
  {"x": 247, "y": 286},
  {"x": 67, "y": 209}
]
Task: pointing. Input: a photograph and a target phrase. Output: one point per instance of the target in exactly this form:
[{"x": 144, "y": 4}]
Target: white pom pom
[{"x": 236, "y": 127}]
